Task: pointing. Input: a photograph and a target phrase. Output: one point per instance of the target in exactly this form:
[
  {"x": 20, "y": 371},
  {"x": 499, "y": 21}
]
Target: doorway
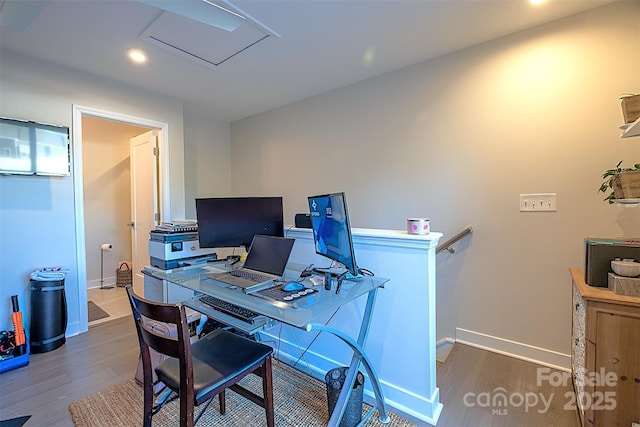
[
  {"x": 89, "y": 126},
  {"x": 107, "y": 188}
]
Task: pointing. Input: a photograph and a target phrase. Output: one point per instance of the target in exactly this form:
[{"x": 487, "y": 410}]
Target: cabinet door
[
  {"x": 586, "y": 399},
  {"x": 176, "y": 293},
  {"x": 154, "y": 289},
  {"x": 618, "y": 351}
]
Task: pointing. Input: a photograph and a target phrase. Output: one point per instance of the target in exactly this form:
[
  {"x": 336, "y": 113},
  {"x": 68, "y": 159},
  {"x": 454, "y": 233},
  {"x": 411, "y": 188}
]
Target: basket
[
  {"x": 124, "y": 275},
  {"x": 626, "y": 185}
]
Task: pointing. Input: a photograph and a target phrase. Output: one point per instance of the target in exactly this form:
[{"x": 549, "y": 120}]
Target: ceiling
[{"x": 283, "y": 51}]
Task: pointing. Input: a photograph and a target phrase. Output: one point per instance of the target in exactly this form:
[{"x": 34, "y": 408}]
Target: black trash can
[
  {"x": 334, "y": 380},
  {"x": 48, "y": 315}
]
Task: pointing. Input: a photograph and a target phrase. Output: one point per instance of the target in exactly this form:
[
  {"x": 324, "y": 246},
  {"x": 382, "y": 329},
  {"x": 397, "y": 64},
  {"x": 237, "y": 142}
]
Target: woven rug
[
  {"x": 95, "y": 312},
  {"x": 299, "y": 400}
]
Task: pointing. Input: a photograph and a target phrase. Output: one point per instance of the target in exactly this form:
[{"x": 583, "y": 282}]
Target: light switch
[{"x": 541, "y": 202}]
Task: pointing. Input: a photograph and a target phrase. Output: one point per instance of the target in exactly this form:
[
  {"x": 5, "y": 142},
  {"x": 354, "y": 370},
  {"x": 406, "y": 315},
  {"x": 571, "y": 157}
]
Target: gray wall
[
  {"x": 457, "y": 139},
  {"x": 37, "y": 223},
  {"x": 207, "y": 151}
]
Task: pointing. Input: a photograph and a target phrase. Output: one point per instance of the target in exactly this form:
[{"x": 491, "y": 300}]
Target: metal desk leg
[{"x": 359, "y": 356}]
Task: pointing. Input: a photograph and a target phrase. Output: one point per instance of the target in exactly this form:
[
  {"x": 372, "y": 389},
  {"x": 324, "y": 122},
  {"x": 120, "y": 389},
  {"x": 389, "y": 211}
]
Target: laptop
[{"x": 266, "y": 261}]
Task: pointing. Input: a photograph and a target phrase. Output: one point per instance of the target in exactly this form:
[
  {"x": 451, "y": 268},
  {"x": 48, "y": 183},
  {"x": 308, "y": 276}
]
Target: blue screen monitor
[{"x": 331, "y": 229}]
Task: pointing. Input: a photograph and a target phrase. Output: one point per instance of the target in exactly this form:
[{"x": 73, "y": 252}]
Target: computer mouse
[{"x": 292, "y": 287}]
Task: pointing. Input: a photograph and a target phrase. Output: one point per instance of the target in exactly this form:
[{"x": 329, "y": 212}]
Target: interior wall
[
  {"x": 44, "y": 206},
  {"x": 207, "y": 146},
  {"x": 107, "y": 196},
  {"x": 457, "y": 139}
]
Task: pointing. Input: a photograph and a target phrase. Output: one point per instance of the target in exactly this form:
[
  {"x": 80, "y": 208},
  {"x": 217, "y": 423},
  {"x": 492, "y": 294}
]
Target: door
[{"x": 144, "y": 201}]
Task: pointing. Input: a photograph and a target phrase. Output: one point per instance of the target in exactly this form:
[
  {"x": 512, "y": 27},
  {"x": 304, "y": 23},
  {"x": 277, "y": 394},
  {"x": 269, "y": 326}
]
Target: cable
[
  {"x": 315, "y": 338},
  {"x": 365, "y": 272},
  {"x": 307, "y": 272}
]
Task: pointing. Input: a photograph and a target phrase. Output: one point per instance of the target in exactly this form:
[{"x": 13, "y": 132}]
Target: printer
[{"x": 177, "y": 248}]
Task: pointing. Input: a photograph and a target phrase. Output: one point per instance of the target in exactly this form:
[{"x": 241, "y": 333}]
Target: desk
[{"x": 302, "y": 313}]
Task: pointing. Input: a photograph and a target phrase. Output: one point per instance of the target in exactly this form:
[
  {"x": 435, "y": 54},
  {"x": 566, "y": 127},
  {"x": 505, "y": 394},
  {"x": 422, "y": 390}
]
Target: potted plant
[{"x": 624, "y": 183}]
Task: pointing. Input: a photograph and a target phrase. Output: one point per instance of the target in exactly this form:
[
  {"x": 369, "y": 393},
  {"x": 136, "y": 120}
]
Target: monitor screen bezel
[
  {"x": 350, "y": 264},
  {"x": 214, "y": 217}
]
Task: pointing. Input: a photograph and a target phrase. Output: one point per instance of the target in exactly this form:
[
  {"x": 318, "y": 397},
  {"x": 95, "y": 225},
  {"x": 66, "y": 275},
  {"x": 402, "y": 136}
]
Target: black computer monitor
[
  {"x": 227, "y": 222},
  {"x": 331, "y": 229}
]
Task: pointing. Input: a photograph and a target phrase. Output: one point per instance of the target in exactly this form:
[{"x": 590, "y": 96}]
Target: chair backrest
[{"x": 145, "y": 312}]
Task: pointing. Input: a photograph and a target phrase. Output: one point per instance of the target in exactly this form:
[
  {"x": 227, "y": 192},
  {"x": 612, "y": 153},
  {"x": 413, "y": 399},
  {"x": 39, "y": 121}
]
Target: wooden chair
[{"x": 197, "y": 372}]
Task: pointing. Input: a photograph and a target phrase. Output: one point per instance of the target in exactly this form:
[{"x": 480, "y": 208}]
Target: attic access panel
[{"x": 205, "y": 44}]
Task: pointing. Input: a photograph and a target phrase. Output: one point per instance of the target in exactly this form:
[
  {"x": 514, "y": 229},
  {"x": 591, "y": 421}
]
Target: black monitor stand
[{"x": 330, "y": 274}]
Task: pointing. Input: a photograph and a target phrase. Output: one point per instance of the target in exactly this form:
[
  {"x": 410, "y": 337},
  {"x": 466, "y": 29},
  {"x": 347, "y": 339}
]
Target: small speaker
[{"x": 303, "y": 220}]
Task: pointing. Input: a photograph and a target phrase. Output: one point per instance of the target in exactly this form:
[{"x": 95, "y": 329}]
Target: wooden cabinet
[{"x": 605, "y": 355}]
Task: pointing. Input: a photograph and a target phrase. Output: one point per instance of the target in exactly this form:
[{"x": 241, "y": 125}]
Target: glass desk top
[{"x": 299, "y": 313}]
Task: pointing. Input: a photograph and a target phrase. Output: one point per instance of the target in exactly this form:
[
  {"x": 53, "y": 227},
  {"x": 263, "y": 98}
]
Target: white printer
[{"x": 168, "y": 249}]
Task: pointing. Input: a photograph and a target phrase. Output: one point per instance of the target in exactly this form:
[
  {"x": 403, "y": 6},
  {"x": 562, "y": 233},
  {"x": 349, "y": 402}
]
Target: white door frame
[{"x": 78, "y": 112}]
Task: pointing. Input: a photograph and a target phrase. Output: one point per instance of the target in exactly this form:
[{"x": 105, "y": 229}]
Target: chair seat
[{"x": 217, "y": 357}]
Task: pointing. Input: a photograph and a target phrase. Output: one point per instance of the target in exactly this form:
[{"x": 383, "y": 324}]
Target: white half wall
[{"x": 401, "y": 342}]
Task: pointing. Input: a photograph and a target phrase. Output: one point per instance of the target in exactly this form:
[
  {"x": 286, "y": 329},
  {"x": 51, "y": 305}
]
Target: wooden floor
[
  {"x": 113, "y": 300},
  {"x": 472, "y": 382},
  {"x": 108, "y": 354},
  {"x": 86, "y": 363}
]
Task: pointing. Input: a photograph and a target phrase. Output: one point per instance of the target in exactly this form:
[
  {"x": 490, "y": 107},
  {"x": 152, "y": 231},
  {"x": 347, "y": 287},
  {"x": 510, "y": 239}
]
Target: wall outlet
[{"x": 542, "y": 202}]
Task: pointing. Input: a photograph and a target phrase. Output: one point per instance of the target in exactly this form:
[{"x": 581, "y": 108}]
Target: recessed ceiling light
[
  {"x": 137, "y": 56},
  {"x": 537, "y": 2}
]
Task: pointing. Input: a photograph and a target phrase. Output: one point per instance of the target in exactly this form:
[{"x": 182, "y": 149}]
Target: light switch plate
[{"x": 540, "y": 202}]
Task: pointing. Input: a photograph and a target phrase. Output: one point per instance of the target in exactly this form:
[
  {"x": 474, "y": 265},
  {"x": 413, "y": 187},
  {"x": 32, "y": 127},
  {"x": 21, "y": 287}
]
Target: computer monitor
[
  {"x": 331, "y": 229},
  {"x": 227, "y": 222}
]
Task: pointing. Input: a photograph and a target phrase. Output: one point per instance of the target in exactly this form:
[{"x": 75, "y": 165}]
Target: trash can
[
  {"x": 334, "y": 380},
  {"x": 48, "y": 315}
]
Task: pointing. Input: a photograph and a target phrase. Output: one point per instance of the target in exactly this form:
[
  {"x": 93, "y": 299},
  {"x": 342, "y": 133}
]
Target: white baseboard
[
  {"x": 95, "y": 283},
  {"x": 443, "y": 347},
  {"x": 541, "y": 356},
  {"x": 424, "y": 408}
]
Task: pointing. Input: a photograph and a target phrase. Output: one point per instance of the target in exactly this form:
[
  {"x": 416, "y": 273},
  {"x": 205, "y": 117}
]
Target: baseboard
[
  {"x": 424, "y": 408},
  {"x": 95, "y": 283},
  {"x": 529, "y": 353},
  {"x": 443, "y": 347}
]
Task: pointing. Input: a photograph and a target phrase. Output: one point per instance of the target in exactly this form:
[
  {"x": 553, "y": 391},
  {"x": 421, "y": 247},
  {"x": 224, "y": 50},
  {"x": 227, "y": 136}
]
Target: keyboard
[
  {"x": 250, "y": 275},
  {"x": 230, "y": 309}
]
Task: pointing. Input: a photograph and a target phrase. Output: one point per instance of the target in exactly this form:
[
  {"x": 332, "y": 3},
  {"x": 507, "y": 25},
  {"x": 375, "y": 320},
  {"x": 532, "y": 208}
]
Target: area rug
[
  {"x": 95, "y": 312},
  {"x": 299, "y": 400}
]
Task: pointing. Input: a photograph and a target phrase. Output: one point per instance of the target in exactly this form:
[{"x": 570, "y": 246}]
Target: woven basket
[
  {"x": 626, "y": 185},
  {"x": 124, "y": 275}
]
